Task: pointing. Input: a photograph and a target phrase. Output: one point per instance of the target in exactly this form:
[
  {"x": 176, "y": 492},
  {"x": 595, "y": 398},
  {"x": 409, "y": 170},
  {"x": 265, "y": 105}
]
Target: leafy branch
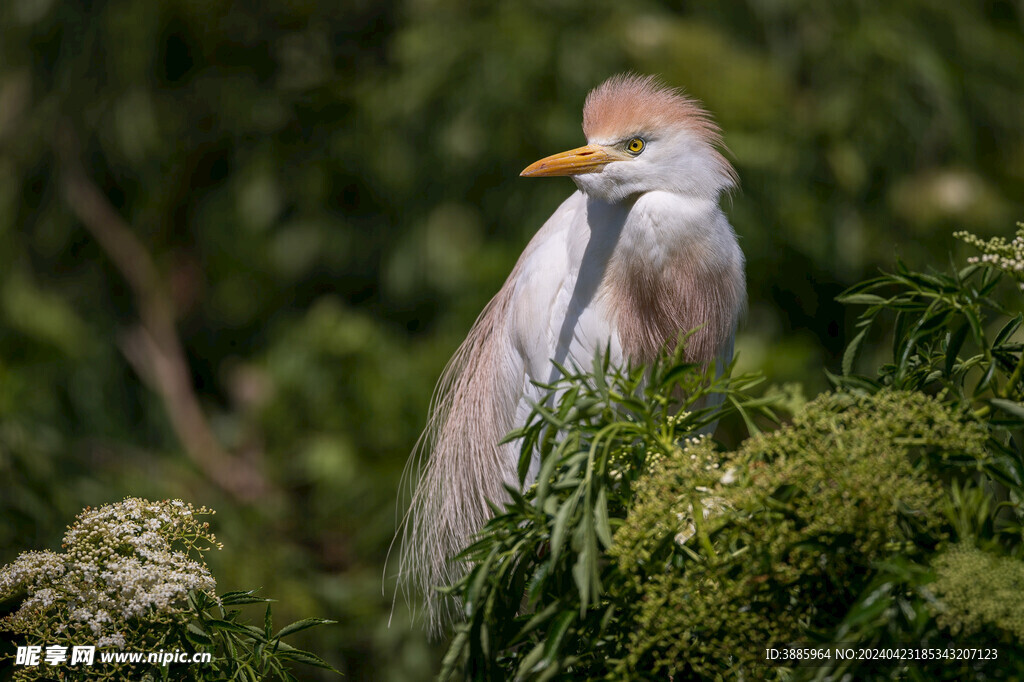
[
  {"x": 537, "y": 593},
  {"x": 243, "y": 651}
]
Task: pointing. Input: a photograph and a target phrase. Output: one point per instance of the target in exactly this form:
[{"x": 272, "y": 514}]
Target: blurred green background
[{"x": 328, "y": 193}]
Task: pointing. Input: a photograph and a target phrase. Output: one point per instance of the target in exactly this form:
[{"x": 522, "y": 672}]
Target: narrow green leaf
[
  {"x": 532, "y": 662},
  {"x": 933, "y": 321},
  {"x": 956, "y": 342},
  {"x": 899, "y": 334},
  {"x": 308, "y": 658},
  {"x": 903, "y": 364},
  {"x": 242, "y": 597},
  {"x": 194, "y": 628},
  {"x": 989, "y": 281},
  {"x": 581, "y": 574},
  {"x": 478, "y": 580},
  {"x": 1008, "y": 329},
  {"x": 866, "y": 285},
  {"x": 547, "y": 468},
  {"x": 538, "y": 581},
  {"x": 967, "y": 272},
  {"x": 861, "y": 299},
  {"x": 600, "y": 368},
  {"x": 986, "y": 379},
  {"x": 553, "y": 640},
  {"x": 678, "y": 373},
  {"x": 752, "y": 428},
  {"x": 248, "y": 630},
  {"x": 1009, "y": 407},
  {"x": 548, "y": 416},
  {"x": 454, "y": 657},
  {"x": 197, "y": 635},
  {"x": 976, "y": 328},
  {"x": 303, "y": 624},
  {"x": 601, "y": 524},
  {"x": 526, "y": 456},
  {"x": 851, "y": 350},
  {"x": 561, "y": 521}
]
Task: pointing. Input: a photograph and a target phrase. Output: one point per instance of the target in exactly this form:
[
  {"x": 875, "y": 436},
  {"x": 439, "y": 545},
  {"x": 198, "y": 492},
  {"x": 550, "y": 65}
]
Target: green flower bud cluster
[
  {"x": 788, "y": 522},
  {"x": 978, "y": 591}
]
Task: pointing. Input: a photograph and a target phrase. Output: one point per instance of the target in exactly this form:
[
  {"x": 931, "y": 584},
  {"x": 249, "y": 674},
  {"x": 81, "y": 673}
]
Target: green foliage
[
  {"x": 541, "y": 592},
  {"x": 940, "y": 339},
  {"x": 943, "y": 344},
  {"x": 955, "y": 335},
  {"x": 242, "y": 651},
  {"x": 878, "y": 516},
  {"x": 789, "y": 536},
  {"x": 979, "y": 592},
  {"x": 131, "y": 578}
]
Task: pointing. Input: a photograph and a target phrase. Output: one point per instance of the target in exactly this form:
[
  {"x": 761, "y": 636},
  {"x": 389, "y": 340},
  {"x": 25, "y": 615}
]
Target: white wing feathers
[{"x": 482, "y": 395}]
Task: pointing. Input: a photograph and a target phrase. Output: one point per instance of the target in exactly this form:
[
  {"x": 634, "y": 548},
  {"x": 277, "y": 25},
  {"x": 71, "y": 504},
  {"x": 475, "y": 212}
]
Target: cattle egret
[{"x": 640, "y": 253}]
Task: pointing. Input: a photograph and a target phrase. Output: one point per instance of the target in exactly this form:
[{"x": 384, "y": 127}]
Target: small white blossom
[{"x": 115, "y": 640}]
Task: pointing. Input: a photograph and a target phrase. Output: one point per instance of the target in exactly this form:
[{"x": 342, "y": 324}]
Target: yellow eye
[{"x": 635, "y": 146}]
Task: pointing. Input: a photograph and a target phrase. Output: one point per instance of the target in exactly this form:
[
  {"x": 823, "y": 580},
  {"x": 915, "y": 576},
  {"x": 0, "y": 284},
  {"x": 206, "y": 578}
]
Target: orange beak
[{"x": 589, "y": 159}]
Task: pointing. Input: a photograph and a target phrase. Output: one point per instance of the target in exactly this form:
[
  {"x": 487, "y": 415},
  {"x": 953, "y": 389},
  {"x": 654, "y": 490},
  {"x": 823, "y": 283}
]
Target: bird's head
[{"x": 642, "y": 137}]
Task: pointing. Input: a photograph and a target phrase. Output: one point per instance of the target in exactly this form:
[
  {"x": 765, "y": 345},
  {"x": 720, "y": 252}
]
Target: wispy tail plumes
[{"x": 458, "y": 465}]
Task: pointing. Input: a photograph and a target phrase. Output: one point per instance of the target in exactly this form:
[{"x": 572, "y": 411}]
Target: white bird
[{"x": 641, "y": 252}]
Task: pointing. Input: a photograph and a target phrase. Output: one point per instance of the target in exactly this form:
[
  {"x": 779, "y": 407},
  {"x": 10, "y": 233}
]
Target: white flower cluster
[
  {"x": 125, "y": 565},
  {"x": 1006, "y": 256}
]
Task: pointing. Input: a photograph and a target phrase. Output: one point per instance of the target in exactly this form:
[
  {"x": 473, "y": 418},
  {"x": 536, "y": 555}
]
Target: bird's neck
[{"x": 675, "y": 266}]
